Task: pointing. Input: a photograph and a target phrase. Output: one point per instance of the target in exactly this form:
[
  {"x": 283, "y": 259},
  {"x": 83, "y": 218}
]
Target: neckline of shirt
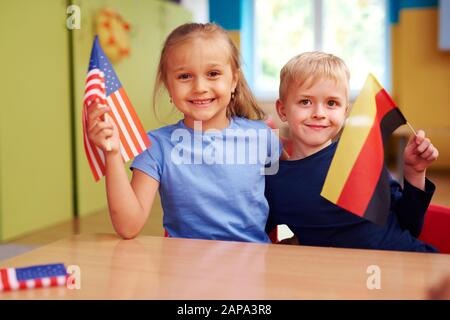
[
  {"x": 310, "y": 157},
  {"x": 231, "y": 125}
]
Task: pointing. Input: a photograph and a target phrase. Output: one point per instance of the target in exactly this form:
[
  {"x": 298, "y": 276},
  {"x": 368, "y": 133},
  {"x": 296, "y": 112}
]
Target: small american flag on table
[
  {"x": 47, "y": 275},
  {"x": 103, "y": 84}
]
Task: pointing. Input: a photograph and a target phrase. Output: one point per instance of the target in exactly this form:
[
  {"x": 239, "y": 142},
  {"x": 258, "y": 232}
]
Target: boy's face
[{"x": 315, "y": 112}]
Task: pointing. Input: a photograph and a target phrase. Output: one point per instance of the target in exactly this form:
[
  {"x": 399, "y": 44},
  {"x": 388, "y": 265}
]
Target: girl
[{"x": 205, "y": 191}]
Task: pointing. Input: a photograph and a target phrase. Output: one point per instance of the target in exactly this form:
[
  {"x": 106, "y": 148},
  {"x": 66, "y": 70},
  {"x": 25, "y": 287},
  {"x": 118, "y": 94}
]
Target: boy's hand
[
  {"x": 418, "y": 156},
  {"x": 100, "y": 131},
  {"x": 419, "y": 152},
  {"x": 441, "y": 290},
  {"x": 290, "y": 241}
]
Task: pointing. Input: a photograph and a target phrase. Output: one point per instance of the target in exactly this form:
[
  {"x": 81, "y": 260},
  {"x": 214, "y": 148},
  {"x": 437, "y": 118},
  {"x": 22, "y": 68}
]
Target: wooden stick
[
  {"x": 108, "y": 141},
  {"x": 411, "y": 127}
]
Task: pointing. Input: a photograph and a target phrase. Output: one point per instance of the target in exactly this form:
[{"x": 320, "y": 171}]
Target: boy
[{"x": 314, "y": 98}]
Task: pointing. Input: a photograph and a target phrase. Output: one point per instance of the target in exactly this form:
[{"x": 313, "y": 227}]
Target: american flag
[
  {"x": 48, "y": 275},
  {"x": 102, "y": 83}
]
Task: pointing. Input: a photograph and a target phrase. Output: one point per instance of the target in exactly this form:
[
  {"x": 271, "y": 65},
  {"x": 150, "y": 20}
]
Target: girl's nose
[{"x": 200, "y": 85}]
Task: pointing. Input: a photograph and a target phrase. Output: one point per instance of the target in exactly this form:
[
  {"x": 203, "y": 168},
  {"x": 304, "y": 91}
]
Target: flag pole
[
  {"x": 411, "y": 127},
  {"x": 108, "y": 141}
]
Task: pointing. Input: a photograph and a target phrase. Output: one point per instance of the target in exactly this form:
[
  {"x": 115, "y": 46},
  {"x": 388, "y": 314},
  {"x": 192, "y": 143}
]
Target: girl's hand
[
  {"x": 419, "y": 153},
  {"x": 102, "y": 133}
]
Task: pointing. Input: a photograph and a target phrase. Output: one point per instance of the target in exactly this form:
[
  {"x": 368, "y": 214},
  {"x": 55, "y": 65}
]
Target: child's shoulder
[
  {"x": 164, "y": 131},
  {"x": 247, "y": 123}
]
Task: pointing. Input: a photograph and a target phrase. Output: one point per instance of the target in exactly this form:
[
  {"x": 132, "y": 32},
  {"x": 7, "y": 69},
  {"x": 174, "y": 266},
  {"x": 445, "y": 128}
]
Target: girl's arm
[
  {"x": 129, "y": 204},
  {"x": 411, "y": 203}
]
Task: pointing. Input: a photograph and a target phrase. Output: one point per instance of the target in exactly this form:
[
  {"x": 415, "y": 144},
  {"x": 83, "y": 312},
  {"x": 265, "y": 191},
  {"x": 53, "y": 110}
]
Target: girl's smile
[
  {"x": 200, "y": 81},
  {"x": 202, "y": 103}
]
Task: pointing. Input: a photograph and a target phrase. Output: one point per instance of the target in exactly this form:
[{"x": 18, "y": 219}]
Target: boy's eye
[
  {"x": 213, "y": 74},
  {"x": 305, "y": 102},
  {"x": 184, "y": 76},
  {"x": 332, "y": 103}
]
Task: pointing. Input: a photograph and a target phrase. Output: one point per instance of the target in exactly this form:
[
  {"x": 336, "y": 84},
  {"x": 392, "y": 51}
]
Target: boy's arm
[
  {"x": 419, "y": 154},
  {"x": 410, "y": 204}
]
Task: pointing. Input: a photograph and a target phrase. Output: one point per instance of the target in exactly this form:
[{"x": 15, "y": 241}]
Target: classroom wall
[
  {"x": 421, "y": 73},
  {"x": 35, "y": 153},
  {"x": 43, "y": 180},
  {"x": 420, "y": 70},
  {"x": 150, "y": 23},
  {"x": 228, "y": 14}
]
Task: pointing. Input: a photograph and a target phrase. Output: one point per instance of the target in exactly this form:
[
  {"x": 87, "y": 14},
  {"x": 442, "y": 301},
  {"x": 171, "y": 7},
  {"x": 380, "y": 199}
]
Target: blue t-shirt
[
  {"x": 212, "y": 183},
  {"x": 295, "y": 200}
]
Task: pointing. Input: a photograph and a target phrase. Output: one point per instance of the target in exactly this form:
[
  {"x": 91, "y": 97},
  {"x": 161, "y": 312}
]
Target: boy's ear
[
  {"x": 347, "y": 110},
  {"x": 280, "y": 110}
]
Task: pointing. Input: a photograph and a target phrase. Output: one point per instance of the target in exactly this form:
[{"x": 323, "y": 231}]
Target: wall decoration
[{"x": 114, "y": 34}]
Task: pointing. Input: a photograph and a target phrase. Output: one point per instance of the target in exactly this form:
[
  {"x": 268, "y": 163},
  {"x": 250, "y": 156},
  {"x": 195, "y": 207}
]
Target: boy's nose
[{"x": 319, "y": 111}]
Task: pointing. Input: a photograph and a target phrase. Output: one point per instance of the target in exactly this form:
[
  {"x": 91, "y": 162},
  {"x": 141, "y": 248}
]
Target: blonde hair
[
  {"x": 312, "y": 67},
  {"x": 244, "y": 103}
]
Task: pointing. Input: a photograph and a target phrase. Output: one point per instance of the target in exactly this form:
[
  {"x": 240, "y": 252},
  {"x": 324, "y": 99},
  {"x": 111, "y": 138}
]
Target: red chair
[
  {"x": 273, "y": 235},
  {"x": 436, "y": 228}
]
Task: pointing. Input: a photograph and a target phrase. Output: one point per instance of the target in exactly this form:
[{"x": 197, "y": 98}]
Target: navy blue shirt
[{"x": 295, "y": 200}]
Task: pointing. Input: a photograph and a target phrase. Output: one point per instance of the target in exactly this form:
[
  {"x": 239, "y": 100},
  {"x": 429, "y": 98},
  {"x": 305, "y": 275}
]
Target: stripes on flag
[
  {"x": 357, "y": 179},
  {"x": 103, "y": 84},
  {"x": 33, "y": 277}
]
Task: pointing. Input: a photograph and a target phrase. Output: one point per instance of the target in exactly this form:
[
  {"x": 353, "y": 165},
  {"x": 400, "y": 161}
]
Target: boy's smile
[{"x": 315, "y": 113}]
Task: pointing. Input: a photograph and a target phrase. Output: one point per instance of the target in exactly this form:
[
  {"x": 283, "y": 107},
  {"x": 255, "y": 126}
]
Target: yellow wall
[{"x": 421, "y": 76}]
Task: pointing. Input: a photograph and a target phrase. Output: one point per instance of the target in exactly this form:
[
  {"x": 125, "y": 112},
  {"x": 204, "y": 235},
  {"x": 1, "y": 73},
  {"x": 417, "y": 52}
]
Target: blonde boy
[{"x": 314, "y": 101}]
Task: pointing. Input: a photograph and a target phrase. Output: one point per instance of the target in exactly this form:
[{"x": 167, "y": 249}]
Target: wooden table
[{"x": 168, "y": 268}]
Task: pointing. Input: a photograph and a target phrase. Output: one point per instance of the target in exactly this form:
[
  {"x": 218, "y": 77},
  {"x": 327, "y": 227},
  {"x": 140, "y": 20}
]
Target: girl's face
[
  {"x": 200, "y": 80},
  {"x": 315, "y": 114}
]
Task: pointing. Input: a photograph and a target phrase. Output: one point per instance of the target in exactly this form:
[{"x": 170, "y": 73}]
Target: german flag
[{"x": 357, "y": 179}]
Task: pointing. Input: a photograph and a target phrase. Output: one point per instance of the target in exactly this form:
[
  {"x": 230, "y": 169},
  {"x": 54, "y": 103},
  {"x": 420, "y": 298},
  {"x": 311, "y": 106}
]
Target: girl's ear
[
  {"x": 281, "y": 110},
  {"x": 235, "y": 80}
]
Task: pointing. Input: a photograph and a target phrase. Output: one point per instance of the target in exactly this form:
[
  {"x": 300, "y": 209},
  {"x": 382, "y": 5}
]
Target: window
[{"x": 355, "y": 30}]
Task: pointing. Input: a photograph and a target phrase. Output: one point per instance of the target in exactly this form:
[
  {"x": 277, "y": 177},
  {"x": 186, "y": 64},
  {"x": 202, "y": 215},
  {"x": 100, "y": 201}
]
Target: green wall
[
  {"x": 36, "y": 160},
  {"x": 150, "y": 22},
  {"x": 35, "y": 154}
]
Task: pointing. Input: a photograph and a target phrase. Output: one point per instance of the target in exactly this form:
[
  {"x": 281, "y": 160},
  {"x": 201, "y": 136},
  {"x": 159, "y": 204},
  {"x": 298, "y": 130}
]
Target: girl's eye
[
  {"x": 305, "y": 102},
  {"x": 213, "y": 74},
  {"x": 184, "y": 76}
]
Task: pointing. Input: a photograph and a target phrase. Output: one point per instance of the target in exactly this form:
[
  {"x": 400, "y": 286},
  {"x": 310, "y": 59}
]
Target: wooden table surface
[{"x": 169, "y": 268}]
